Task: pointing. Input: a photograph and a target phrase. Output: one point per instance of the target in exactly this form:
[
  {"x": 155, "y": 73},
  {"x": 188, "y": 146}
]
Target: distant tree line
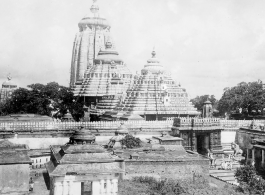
[
  {"x": 50, "y": 99},
  {"x": 245, "y": 98}
]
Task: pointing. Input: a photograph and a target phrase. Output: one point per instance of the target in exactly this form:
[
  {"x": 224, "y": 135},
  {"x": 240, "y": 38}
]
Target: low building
[
  {"x": 85, "y": 168},
  {"x": 163, "y": 158},
  {"x": 252, "y": 141}
]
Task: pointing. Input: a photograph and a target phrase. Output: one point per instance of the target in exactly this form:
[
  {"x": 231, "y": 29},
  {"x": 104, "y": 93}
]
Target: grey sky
[{"x": 206, "y": 45}]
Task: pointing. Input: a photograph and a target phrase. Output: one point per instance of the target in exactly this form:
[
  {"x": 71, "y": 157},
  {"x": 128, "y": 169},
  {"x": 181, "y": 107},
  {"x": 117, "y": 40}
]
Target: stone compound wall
[
  {"x": 166, "y": 169},
  {"x": 111, "y": 126}
]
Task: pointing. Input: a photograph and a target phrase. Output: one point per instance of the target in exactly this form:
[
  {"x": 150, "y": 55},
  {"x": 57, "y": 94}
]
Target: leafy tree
[
  {"x": 42, "y": 99},
  {"x": 247, "y": 97},
  {"x": 199, "y": 101}
]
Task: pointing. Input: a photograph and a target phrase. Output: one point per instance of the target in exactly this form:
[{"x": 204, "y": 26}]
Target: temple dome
[
  {"x": 9, "y": 83},
  {"x": 108, "y": 55},
  {"x": 82, "y": 136},
  {"x": 93, "y": 18},
  {"x": 153, "y": 65}
]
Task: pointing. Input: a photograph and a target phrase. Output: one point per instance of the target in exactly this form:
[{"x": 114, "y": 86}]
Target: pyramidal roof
[
  {"x": 108, "y": 75},
  {"x": 154, "y": 92}
]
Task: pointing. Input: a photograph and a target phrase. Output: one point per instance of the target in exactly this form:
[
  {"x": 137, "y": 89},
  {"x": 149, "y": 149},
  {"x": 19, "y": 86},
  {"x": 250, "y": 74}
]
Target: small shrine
[
  {"x": 68, "y": 117},
  {"x": 82, "y": 136},
  {"x": 120, "y": 133},
  {"x": 8, "y": 87},
  {"x": 168, "y": 140},
  {"x": 84, "y": 168}
]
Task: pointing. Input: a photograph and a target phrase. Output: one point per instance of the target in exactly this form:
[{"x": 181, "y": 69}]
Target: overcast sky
[{"x": 207, "y": 45}]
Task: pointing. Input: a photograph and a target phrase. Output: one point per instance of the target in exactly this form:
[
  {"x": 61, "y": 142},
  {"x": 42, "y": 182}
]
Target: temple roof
[
  {"x": 82, "y": 169},
  {"x": 87, "y": 148},
  {"x": 14, "y": 157},
  {"x": 154, "y": 92},
  {"x": 168, "y": 138},
  {"x": 83, "y": 134},
  {"x": 94, "y": 17},
  {"x": 7, "y": 145},
  {"x": 86, "y": 158},
  {"x": 9, "y": 83}
]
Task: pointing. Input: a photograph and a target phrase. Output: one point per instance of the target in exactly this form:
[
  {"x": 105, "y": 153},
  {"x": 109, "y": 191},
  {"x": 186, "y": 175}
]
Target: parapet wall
[{"x": 108, "y": 128}]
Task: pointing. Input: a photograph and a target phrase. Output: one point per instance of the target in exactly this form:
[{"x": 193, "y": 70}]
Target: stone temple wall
[
  {"x": 34, "y": 127},
  {"x": 166, "y": 169}
]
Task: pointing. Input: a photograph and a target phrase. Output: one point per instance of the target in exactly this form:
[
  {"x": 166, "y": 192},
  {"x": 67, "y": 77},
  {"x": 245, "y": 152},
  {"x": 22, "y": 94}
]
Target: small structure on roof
[
  {"x": 120, "y": 133},
  {"x": 169, "y": 140},
  {"x": 84, "y": 168},
  {"x": 131, "y": 117},
  {"x": 68, "y": 117},
  {"x": 15, "y": 168},
  {"x": 82, "y": 136},
  {"x": 111, "y": 115}
]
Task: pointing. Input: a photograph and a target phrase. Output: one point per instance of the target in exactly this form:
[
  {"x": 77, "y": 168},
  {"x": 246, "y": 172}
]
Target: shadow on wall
[{"x": 46, "y": 179}]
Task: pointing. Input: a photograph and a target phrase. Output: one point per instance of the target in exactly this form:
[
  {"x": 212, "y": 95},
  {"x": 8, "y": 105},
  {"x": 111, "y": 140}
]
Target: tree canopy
[
  {"x": 43, "y": 99},
  {"x": 248, "y": 97},
  {"x": 199, "y": 101}
]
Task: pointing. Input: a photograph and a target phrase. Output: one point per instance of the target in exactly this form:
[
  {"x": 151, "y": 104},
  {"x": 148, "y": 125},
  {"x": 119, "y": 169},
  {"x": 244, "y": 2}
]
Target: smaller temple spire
[
  {"x": 153, "y": 53},
  {"x": 94, "y": 8},
  {"x": 9, "y": 77}
]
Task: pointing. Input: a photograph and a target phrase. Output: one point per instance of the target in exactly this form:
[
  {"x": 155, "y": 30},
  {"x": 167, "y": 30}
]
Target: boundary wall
[{"x": 112, "y": 126}]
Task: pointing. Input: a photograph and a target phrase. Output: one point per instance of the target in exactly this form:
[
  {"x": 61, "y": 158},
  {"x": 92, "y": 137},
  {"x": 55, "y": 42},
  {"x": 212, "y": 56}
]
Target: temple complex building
[
  {"x": 102, "y": 79},
  {"x": 154, "y": 95},
  {"x": 7, "y": 89},
  {"x": 199, "y": 135},
  {"x": 97, "y": 70},
  {"x": 84, "y": 167}
]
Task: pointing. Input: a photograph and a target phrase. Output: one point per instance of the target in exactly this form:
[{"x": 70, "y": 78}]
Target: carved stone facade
[{"x": 199, "y": 135}]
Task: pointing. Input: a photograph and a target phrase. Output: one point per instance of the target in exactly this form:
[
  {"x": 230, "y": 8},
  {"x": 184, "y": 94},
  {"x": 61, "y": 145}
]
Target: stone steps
[{"x": 224, "y": 175}]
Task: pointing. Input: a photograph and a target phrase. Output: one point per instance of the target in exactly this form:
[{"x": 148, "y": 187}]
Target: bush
[
  {"x": 151, "y": 186},
  {"x": 249, "y": 181},
  {"x": 131, "y": 142}
]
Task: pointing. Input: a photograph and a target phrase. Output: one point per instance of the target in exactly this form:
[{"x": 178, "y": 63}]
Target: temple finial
[
  {"x": 153, "y": 53},
  {"x": 94, "y": 8},
  {"x": 9, "y": 77}
]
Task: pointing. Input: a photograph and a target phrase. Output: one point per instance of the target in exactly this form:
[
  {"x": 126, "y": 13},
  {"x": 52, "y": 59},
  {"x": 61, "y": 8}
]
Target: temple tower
[
  {"x": 94, "y": 32},
  {"x": 155, "y": 95},
  {"x": 207, "y": 110},
  {"x": 8, "y": 87},
  {"x": 108, "y": 77},
  {"x": 97, "y": 72}
]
